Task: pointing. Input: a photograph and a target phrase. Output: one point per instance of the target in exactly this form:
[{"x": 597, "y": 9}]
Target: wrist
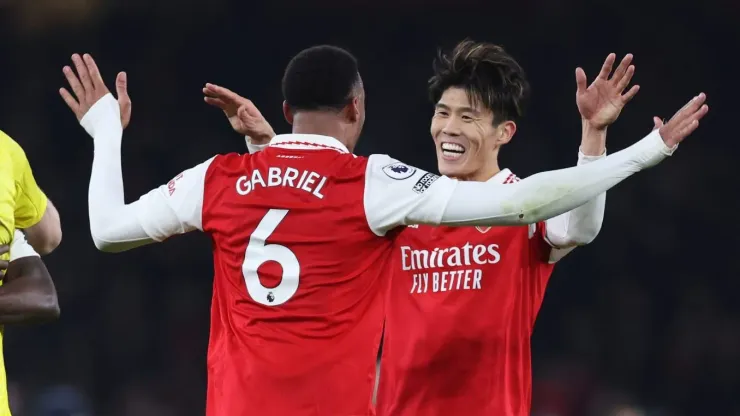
[
  {"x": 593, "y": 139},
  {"x": 261, "y": 139}
]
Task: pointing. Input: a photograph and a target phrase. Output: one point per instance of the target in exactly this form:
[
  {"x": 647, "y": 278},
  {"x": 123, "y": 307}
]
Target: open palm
[{"x": 601, "y": 102}]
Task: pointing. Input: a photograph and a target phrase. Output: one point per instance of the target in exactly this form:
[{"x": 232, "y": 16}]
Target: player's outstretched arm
[
  {"x": 28, "y": 294},
  {"x": 114, "y": 225},
  {"x": 397, "y": 195},
  {"x": 599, "y": 105}
]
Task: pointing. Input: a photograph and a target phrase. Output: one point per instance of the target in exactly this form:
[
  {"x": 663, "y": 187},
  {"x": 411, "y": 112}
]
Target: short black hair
[
  {"x": 488, "y": 74},
  {"x": 320, "y": 78}
]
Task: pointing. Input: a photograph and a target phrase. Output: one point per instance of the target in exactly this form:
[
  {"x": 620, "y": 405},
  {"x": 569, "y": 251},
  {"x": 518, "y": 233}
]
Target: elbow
[
  {"x": 585, "y": 234},
  {"x": 50, "y": 310},
  {"x": 50, "y": 243},
  {"x": 46, "y": 309},
  {"x": 104, "y": 246}
]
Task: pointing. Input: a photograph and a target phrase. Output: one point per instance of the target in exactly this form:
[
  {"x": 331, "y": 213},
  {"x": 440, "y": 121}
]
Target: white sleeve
[
  {"x": 576, "y": 227},
  {"x": 20, "y": 248},
  {"x": 254, "y": 148},
  {"x": 548, "y": 194},
  {"x": 398, "y": 194},
  {"x": 168, "y": 210},
  {"x": 407, "y": 195}
]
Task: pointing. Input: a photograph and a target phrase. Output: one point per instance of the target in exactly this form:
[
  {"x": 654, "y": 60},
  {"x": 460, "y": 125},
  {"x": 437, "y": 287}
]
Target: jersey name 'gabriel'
[{"x": 304, "y": 180}]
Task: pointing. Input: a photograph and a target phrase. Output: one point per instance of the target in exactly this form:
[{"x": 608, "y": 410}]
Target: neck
[
  {"x": 321, "y": 123},
  {"x": 483, "y": 174}
]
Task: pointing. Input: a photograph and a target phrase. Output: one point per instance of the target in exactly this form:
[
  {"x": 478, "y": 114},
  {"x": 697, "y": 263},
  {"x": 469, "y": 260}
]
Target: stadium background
[{"x": 645, "y": 318}]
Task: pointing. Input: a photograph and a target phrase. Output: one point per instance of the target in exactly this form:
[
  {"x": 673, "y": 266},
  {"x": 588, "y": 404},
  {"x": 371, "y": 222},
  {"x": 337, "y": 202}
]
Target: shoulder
[{"x": 11, "y": 147}]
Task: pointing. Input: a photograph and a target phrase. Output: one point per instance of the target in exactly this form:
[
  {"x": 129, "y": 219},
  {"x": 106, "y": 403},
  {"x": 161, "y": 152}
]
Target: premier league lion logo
[{"x": 399, "y": 171}]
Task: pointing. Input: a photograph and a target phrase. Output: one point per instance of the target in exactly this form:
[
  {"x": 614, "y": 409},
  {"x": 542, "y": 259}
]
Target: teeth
[{"x": 453, "y": 147}]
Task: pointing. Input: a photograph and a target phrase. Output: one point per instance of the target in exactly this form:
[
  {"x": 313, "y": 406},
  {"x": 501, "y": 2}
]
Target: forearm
[
  {"x": 28, "y": 294},
  {"x": 114, "y": 226},
  {"x": 581, "y": 225},
  {"x": 548, "y": 194}
]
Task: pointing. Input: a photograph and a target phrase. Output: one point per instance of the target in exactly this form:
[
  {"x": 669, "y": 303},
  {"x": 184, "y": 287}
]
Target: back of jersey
[{"x": 297, "y": 308}]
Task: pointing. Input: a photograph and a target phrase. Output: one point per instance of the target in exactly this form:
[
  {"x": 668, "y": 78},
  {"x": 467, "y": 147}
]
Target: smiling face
[{"x": 465, "y": 136}]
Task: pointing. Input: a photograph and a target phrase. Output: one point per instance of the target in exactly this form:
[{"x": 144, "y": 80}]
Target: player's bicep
[{"x": 398, "y": 194}]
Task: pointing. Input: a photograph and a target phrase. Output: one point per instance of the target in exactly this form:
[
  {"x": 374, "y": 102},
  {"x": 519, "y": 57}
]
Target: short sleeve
[
  {"x": 30, "y": 201},
  {"x": 177, "y": 206},
  {"x": 20, "y": 248},
  {"x": 399, "y": 194}
]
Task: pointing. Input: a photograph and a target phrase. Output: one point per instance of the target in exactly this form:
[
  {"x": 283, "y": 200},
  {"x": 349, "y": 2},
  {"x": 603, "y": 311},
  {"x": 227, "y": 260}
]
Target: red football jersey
[
  {"x": 300, "y": 266},
  {"x": 461, "y": 308}
]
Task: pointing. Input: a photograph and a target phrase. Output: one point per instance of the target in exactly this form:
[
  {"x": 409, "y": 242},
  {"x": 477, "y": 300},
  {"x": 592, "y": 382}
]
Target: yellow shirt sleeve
[{"x": 30, "y": 200}]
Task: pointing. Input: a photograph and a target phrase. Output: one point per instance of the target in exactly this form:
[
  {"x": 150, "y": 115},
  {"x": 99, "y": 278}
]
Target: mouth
[{"x": 452, "y": 151}]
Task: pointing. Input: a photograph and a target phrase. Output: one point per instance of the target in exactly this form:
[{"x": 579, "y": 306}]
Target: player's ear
[
  {"x": 287, "y": 113},
  {"x": 505, "y": 131},
  {"x": 353, "y": 110}
]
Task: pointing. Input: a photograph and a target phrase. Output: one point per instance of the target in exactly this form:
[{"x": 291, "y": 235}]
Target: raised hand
[
  {"x": 242, "y": 114},
  {"x": 88, "y": 87},
  {"x": 684, "y": 122},
  {"x": 601, "y": 102}
]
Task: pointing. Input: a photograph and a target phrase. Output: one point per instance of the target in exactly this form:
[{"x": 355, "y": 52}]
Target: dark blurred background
[{"x": 645, "y": 321}]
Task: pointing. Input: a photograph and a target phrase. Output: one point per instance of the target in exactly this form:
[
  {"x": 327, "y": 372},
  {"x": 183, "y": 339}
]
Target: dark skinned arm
[{"x": 28, "y": 294}]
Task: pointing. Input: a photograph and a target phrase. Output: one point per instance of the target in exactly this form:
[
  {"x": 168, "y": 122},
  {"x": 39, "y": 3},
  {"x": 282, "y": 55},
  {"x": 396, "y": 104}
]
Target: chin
[{"x": 451, "y": 170}]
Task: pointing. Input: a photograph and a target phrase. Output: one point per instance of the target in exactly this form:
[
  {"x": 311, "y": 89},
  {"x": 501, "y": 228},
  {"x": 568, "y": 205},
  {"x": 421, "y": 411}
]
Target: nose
[{"x": 451, "y": 127}]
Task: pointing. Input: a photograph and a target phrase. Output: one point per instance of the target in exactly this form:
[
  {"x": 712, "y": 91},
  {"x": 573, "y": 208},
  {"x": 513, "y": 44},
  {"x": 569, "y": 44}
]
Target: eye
[
  {"x": 441, "y": 113},
  {"x": 467, "y": 118}
]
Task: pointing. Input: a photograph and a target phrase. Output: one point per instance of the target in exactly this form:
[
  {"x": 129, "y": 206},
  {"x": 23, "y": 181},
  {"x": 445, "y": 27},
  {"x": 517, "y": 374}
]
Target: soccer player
[
  {"x": 438, "y": 358},
  {"x": 27, "y": 293},
  {"x": 301, "y": 338},
  {"x": 463, "y": 301}
]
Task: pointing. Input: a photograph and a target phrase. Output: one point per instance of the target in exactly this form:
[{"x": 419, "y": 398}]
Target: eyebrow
[{"x": 461, "y": 109}]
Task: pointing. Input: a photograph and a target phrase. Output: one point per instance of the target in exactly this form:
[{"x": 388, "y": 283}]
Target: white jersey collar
[
  {"x": 503, "y": 177},
  {"x": 307, "y": 142}
]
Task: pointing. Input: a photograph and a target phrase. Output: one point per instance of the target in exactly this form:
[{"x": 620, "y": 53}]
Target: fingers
[
  {"x": 606, "y": 69},
  {"x": 682, "y": 111},
  {"x": 74, "y": 83},
  {"x": 581, "y": 81},
  {"x": 82, "y": 73},
  {"x": 686, "y": 120},
  {"x": 624, "y": 79},
  {"x": 217, "y": 91},
  {"x": 71, "y": 102},
  {"x": 685, "y": 114},
  {"x": 657, "y": 123},
  {"x": 216, "y": 102},
  {"x": 626, "y": 97},
  {"x": 122, "y": 89},
  {"x": 4, "y": 249},
  {"x": 622, "y": 68},
  {"x": 92, "y": 69}
]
